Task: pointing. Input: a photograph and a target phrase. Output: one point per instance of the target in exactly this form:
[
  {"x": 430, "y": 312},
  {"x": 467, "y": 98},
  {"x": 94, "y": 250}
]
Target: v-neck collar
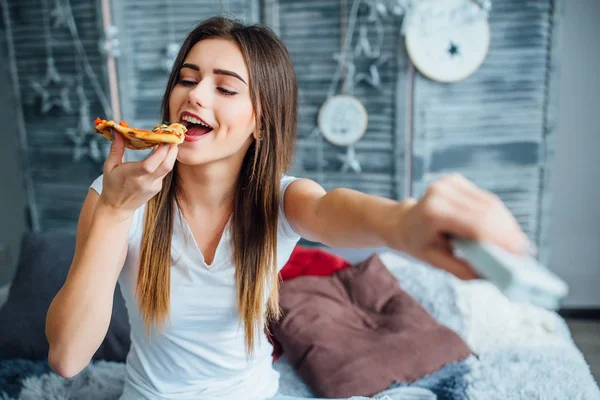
[{"x": 190, "y": 244}]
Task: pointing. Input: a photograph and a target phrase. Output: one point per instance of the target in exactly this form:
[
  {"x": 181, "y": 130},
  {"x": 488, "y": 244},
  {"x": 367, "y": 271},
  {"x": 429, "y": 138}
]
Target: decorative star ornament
[
  {"x": 453, "y": 50},
  {"x": 59, "y": 15},
  {"x": 373, "y": 77},
  {"x": 349, "y": 161},
  {"x": 51, "y": 96},
  {"x": 50, "y": 99}
]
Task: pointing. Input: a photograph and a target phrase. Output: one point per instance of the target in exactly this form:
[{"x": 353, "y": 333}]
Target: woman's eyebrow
[
  {"x": 190, "y": 66},
  {"x": 217, "y": 71},
  {"x": 230, "y": 73}
]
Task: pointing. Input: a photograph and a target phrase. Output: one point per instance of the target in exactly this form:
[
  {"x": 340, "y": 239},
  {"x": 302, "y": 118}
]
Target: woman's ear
[{"x": 258, "y": 135}]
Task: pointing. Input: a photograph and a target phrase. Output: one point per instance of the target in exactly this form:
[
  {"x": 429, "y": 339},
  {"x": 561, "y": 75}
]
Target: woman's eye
[
  {"x": 185, "y": 82},
  {"x": 225, "y": 91}
]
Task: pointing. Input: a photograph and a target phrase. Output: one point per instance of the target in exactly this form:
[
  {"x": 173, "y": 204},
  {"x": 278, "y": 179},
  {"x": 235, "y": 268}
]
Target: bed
[{"x": 523, "y": 352}]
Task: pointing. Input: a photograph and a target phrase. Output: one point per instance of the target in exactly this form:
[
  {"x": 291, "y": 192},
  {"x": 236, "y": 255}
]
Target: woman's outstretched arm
[{"x": 451, "y": 206}]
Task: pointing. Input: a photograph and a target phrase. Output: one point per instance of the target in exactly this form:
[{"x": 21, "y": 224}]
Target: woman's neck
[{"x": 209, "y": 188}]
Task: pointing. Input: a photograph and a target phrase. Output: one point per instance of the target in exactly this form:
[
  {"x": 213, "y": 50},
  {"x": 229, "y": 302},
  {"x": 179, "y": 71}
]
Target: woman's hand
[
  {"x": 129, "y": 185},
  {"x": 454, "y": 206}
]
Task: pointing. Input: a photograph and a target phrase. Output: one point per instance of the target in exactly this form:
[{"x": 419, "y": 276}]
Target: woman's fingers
[
  {"x": 444, "y": 216},
  {"x": 443, "y": 258},
  {"x": 456, "y": 206},
  {"x": 169, "y": 161},
  {"x": 153, "y": 161},
  {"x": 115, "y": 155}
]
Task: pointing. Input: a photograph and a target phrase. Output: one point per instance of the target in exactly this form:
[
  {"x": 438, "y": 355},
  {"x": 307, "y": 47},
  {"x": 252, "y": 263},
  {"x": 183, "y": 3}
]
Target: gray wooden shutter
[
  {"x": 311, "y": 32},
  {"x": 56, "y": 184},
  {"x": 493, "y": 127},
  {"x": 144, "y": 36}
]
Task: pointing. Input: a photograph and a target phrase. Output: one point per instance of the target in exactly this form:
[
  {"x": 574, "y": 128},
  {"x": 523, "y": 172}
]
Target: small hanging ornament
[
  {"x": 342, "y": 118},
  {"x": 59, "y": 15},
  {"x": 343, "y": 122},
  {"x": 49, "y": 90},
  {"x": 448, "y": 40},
  {"x": 110, "y": 43},
  {"x": 373, "y": 78},
  {"x": 52, "y": 75},
  {"x": 50, "y": 98},
  {"x": 79, "y": 134},
  {"x": 172, "y": 48},
  {"x": 349, "y": 161},
  {"x": 171, "y": 55}
]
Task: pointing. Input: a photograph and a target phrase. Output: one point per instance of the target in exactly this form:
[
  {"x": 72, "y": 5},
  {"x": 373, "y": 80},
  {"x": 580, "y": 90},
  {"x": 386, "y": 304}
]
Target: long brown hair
[{"x": 274, "y": 97}]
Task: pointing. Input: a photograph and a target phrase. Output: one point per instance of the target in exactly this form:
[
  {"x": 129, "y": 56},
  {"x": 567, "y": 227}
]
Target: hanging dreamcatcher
[
  {"x": 448, "y": 40},
  {"x": 343, "y": 118}
]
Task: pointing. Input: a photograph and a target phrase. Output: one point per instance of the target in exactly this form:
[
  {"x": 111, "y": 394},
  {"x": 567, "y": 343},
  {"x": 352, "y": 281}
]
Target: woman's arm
[
  {"x": 451, "y": 206},
  {"x": 79, "y": 315},
  {"x": 340, "y": 217}
]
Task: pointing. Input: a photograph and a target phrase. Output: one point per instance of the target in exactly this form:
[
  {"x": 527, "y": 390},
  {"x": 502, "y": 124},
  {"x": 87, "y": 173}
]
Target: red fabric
[
  {"x": 307, "y": 262},
  {"x": 312, "y": 262}
]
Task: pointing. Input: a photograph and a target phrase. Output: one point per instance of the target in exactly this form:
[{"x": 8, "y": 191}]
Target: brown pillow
[{"x": 356, "y": 332}]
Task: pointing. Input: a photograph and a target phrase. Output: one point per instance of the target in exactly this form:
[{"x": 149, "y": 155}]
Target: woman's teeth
[{"x": 192, "y": 120}]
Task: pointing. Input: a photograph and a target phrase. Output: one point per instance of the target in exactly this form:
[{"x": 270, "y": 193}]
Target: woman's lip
[{"x": 194, "y": 138}]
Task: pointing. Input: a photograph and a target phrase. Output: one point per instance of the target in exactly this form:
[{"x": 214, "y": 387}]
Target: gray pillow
[{"x": 43, "y": 265}]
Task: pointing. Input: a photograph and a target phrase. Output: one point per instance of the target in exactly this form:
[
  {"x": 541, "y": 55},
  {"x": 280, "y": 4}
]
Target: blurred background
[{"x": 523, "y": 123}]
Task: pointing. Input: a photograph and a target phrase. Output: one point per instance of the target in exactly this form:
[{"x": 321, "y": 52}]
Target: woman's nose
[{"x": 201, "y": 95}]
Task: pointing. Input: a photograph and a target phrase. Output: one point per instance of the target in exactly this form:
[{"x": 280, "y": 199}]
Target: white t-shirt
[{"x": 201, "y": 354}]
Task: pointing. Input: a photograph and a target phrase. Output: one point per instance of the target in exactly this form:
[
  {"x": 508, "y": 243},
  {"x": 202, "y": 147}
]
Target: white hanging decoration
[
  {"x": 172, "y": 48},
  {"x": 79, "y": 134},
  {"x": 110, "y": 44},
  {"x": 59, "y": 15},
  {"x": 343, "y": 120},
  {"x": 50, "y": 99},
  {"x": 81, "y": 53},
  {"x": 52, "y": 75},
  {"x": 373, "y": 78},
  {"x": 448, "y": 40},
  {"x": 349, "y": 161},
  {"x": 172, "y": 51},
  {"x": 364, "y": 48},
  {"x": 51, "y": 96}
]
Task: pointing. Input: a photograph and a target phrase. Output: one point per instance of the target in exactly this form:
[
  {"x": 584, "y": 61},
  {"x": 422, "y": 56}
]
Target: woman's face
[{"x": 212, "y": 99}]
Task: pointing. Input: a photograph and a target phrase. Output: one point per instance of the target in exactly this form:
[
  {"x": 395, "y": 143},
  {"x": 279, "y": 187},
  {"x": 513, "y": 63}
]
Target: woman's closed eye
[
  {"x": 187, "y": 83},
  {"x": 191, "y": 83},
  {"x": 226, "y": 92}
]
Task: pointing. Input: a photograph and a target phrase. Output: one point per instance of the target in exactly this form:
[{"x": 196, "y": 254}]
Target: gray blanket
[{"x": 547, "y": 370}]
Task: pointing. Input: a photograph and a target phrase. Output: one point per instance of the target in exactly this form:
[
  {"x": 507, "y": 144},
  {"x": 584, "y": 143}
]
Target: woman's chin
[{"x": 189, "y": 156}]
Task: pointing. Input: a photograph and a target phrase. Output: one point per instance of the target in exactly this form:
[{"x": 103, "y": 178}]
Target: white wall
[{"x": 575, "y": 232}]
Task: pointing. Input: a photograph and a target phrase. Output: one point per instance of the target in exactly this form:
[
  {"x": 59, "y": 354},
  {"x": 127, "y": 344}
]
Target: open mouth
[{"x": 195, "y": 126}]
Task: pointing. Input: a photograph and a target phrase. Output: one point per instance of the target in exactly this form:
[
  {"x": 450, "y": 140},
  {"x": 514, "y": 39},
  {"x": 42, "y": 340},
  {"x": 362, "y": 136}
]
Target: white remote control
[{"x": 520, "y": 278}]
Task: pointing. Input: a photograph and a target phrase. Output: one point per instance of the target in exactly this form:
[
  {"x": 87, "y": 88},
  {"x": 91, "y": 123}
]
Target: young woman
[{"x": 197, "y": 233}]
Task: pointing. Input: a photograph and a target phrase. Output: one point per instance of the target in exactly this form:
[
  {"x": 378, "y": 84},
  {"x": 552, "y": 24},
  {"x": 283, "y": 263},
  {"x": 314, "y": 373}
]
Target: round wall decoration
[
  {"x": 342, "y": 120},
  {"x": 447, "y": 40}
]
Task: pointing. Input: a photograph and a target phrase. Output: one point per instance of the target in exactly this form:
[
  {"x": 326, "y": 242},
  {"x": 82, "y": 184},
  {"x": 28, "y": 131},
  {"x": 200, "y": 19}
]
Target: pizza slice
[{"x": 140, "y": 139}]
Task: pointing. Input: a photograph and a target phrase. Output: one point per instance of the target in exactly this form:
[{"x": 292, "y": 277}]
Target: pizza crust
[{"x": 140, "y": 139}]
